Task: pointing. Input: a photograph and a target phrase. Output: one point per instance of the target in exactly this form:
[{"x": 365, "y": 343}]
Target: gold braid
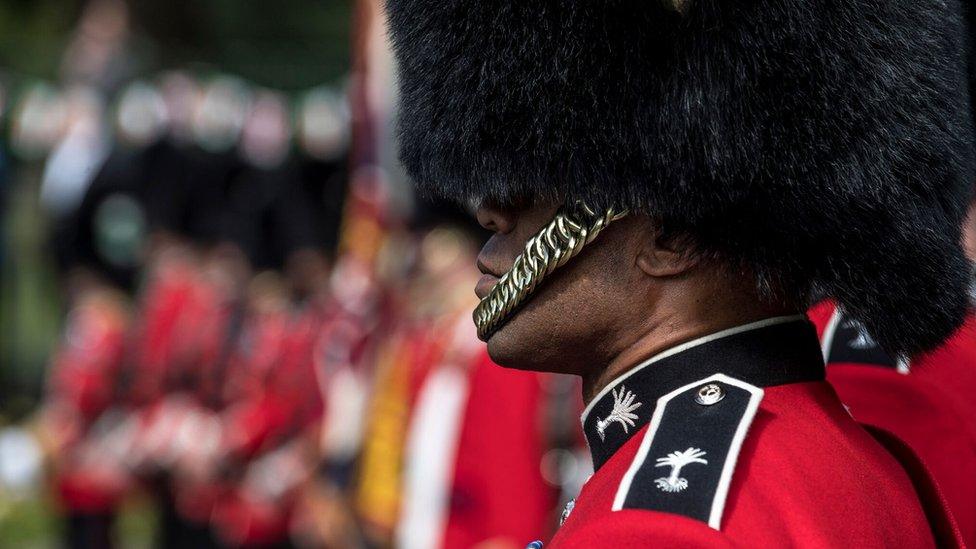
[{"x": 550, "y": 248}]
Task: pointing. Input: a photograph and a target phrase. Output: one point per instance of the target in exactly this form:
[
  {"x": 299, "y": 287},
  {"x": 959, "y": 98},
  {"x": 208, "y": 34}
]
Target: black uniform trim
[
  {"x": 687, "y": 457},
  {"x": 846, "y": 341},
  {"x": 767, "y": 353}
]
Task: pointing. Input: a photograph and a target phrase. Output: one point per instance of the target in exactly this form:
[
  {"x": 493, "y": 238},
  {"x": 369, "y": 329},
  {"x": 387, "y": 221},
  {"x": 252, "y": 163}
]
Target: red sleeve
[
  {"x": 288, "y": 399},
  {"x": 164, "y": 302},
  {"x": 89, "y": 357}
]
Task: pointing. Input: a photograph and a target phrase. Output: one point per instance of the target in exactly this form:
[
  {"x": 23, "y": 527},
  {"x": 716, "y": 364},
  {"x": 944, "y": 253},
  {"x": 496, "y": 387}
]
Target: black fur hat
[{"x": 825, "y": 144}]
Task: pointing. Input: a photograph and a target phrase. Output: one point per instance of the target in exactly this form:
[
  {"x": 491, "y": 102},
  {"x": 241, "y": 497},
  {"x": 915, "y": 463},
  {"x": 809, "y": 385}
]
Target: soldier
[
  {"x": 78, "y": 418},
  {"x": 911, "y": 401},
  {"x": 668, "y": 183},
  {"x": 922, "y": 401}
]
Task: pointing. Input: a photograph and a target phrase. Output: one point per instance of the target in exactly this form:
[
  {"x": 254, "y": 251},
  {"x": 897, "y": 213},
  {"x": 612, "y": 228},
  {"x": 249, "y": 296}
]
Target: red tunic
[
  {"x": 807, "y": 475},
  {"x": 780, "y": 463},
  {"x": 82, "y": 384}
]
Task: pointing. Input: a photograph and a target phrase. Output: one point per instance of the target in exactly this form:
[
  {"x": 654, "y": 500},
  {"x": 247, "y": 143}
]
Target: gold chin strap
[{"x": 561, "y": 239}]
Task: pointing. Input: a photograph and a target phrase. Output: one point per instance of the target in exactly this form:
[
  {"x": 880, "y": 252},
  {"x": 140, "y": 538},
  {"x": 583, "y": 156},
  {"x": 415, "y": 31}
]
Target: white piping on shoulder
[
  {"x": 684, "y": 347},
  {"x": 828, "y": 336},
  {"x": 728, "y": 467}
]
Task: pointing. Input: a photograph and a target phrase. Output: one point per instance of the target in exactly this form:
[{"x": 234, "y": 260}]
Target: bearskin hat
[{"x": 825, "y": 145}]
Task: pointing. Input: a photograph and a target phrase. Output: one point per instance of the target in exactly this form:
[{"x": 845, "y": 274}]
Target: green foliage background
[{"x": 285, "y": 44}]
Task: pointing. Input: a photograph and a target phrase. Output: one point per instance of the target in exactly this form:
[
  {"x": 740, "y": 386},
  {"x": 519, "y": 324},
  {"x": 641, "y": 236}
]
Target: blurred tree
[
  {"x": 33, "y": 34},
  {"x": 285, "y": 44}
]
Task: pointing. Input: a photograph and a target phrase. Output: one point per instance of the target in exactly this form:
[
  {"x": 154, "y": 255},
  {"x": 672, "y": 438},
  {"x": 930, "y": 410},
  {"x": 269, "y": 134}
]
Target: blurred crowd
[
  {"x": 258, "y": 345},
  {"x": 262, "y": 336},
  {"x": 173, "y": 159}
]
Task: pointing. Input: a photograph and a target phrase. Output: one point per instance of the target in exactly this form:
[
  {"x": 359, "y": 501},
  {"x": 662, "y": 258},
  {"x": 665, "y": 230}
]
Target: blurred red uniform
[
  {"x": 177, "y": 354},
  {"x": 469, "y": 449},
  {"x": 474, "y": 454},
  {"x": 82, "y": 385},
  {"x": 498, "y": 491},
  {"x": 264, "y": 424}
]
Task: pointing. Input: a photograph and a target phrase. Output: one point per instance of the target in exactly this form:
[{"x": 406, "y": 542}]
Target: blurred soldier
[
  {"x": 923, "y": 402},
  {"x": 323, "y": 139},
  {"x": 910, "y": 401},
  {"x": 710, "y": 166},
  {"x": 357, "y": 311},
  {"x": 88, "y": 461},
  {"x": 269, "y": 426},
  {"x": 442, "y": 465},
  {"x": 99, "y": 238},
  {"x": 217, "y": 121},
  {"x": 69, "y": 173},
  {"x": 107, "y": 236},
  {"x": 187, "y": 317}
]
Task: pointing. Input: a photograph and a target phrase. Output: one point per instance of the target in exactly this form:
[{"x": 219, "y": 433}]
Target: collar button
[{"x": 709, "y": 394}]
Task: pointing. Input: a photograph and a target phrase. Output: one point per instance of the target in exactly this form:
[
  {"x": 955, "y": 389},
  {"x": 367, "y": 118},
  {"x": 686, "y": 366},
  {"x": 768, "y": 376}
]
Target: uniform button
[{"x": 709, "y": 394}]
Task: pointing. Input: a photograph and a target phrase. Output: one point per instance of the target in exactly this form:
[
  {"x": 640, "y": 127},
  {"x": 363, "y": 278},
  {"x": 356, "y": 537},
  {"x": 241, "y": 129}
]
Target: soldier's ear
[
  {"x": 666, "y": 254},
  {"x": 969, "y": 232}
]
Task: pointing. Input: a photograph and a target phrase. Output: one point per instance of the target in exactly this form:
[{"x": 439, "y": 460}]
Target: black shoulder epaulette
[{"x": 688, "y": 454}]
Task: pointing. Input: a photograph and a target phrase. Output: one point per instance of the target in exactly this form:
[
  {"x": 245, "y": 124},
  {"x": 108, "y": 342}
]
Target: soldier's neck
[{"x": 671, "y": 328}]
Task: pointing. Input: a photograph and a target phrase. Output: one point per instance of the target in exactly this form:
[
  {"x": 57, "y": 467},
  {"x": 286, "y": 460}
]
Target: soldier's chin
[
  {"x": 521, "y": 344},
  {"x": 504, "y": 350}
]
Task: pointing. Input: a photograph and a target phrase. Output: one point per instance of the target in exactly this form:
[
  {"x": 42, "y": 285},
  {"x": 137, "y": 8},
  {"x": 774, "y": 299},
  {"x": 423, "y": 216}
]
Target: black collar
[
  {"x": 847, "y": 341},
  {"x": 775, "y": 351}
]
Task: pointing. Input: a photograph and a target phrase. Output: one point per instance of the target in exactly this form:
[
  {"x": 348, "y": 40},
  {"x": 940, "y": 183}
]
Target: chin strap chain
[{"x": 561, "y": 239}]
